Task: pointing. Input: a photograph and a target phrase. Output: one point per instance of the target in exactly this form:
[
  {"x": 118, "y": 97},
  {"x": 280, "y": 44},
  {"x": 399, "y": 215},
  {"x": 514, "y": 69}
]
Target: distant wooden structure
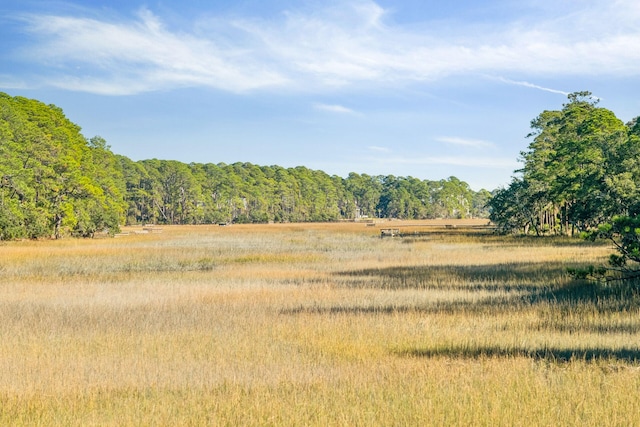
[{"x": 389, "y": 232}]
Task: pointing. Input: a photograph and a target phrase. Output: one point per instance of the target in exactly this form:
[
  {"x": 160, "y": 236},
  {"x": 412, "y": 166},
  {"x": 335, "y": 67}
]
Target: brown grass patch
[{"x": 318, "y": 324}]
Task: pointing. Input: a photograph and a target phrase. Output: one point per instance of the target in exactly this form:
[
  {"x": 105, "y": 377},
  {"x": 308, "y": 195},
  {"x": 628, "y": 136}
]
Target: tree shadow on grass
[
  {"x": 602, "y": 327},
  {"x": 528, "y": 277},
  {"x": 433, "y": 308},
  {"x": 562, "y": 355},
  {"x": 522, "y": 283},
  {"x": 615, "y": 297},
  {"x": 504, "y": 287},
  {"x": 486, "y": 237},
  {"x": 501, "y": 289}
]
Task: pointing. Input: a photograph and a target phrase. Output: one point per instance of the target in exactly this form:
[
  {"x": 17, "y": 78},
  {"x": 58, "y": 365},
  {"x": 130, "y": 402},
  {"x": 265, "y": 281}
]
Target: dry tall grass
[{"x": 320, "y": 324}]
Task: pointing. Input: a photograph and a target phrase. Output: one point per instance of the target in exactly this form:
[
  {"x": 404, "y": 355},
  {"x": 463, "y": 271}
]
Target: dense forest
[
  {"x": 581, "y": 170},
  {"x": 54, "y": 182}
]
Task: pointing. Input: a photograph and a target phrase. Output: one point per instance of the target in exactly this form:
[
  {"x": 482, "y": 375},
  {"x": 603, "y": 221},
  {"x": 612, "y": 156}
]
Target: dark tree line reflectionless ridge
[{"x": 581, "y": 169}]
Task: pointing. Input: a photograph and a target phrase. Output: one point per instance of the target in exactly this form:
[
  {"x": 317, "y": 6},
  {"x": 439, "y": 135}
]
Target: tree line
[
  {"x": 581, "y": 170},
  {"x": 54, "y": 182},
  {"x": 171, "y": 192}
]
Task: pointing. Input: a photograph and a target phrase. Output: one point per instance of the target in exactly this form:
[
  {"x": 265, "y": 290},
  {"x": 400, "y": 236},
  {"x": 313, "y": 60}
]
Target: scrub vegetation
[{"x": 314, "y": 324}]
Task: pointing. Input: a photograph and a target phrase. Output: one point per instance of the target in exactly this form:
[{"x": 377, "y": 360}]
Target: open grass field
[{"x": 314, "y": 324}]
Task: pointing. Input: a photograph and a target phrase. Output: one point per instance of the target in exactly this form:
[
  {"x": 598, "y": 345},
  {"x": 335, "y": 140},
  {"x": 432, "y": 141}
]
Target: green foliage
[
  {"x": 12, "y": 221},
  {"x": 511, "y": 208},
  {"x": 53, "y": 182},
  {"x": 581, "y": 169},
  {"x": 624, "y": 233},
  {"x": 588, "y": 273},
  {"x": 174, "y": 193}
]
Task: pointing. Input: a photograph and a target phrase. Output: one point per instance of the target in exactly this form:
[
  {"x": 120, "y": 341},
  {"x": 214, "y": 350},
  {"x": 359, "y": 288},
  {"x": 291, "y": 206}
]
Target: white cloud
[
  {"x": 378, "y": 149},
  {"x": 139, "y": 56},
  {"x": 12, "y": 82},
  {"x": 333, "y": 108},
  {"x": 467, "y": 142},
  {"x": 349, "y": 44}
]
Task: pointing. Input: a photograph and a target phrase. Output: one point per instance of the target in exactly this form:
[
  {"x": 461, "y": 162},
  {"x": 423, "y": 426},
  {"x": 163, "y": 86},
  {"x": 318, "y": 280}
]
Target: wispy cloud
[
  {"x": 378, "y": 149},
  {"x": 12, "y": 82},
  {"x": 477, "y": 162},
  {"x": 140, "y": 55},
  {"x": 353, "y": 44},
  {"x": 467, "y": 142},
  {"x": 334, "y": 108}
]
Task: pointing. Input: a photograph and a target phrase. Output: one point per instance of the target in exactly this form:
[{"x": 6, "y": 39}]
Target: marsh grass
[{"x": 319, "y": 324}]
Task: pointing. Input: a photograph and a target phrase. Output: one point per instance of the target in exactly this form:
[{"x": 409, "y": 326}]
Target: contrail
[{"x": 531, "y": 85}]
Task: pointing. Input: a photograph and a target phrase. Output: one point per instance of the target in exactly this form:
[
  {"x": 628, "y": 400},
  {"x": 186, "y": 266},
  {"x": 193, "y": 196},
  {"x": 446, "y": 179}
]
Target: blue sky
[{"x": 421, "y": 88}]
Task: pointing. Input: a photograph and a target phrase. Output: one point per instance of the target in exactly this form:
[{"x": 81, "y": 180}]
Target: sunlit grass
[{"x": 319, "y": 324}]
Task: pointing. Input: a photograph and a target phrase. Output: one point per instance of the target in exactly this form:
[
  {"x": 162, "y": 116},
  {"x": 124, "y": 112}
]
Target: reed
[{"x": 319, "y": 324}]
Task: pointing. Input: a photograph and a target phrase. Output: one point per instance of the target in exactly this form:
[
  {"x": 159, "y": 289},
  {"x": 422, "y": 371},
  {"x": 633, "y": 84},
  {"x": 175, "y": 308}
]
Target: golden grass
[{"x": 318, "y": 324}]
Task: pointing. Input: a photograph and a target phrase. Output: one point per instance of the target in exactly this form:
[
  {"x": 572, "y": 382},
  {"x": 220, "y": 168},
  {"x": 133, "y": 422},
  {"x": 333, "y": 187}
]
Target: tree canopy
[
  {"x": 54, "y": 182},
  {"x": 580, "y": 170}
]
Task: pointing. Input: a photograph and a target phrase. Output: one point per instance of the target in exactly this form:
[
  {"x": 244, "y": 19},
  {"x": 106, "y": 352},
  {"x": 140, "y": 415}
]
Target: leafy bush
[{"x": 624, "y": 233}]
